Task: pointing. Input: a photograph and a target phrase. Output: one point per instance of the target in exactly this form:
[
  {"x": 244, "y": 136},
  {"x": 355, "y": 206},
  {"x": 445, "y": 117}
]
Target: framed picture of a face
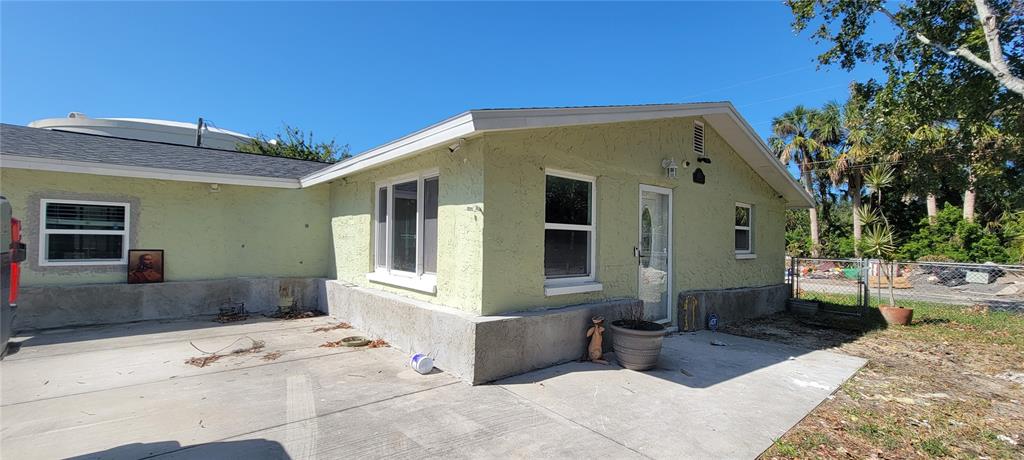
[{"x": 145, "y": 266}]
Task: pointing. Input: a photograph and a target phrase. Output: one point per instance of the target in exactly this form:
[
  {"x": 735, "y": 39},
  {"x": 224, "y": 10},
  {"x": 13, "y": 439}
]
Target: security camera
[{"x": 452, "y": 148}]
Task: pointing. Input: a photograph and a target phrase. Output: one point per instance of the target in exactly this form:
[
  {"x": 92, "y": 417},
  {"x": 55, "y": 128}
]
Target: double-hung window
[
  {"x": 83, "y": 232},
  {"x": 570, "y": 233},
  {"x": 744, "y": 228},
  {"x": 405, "y": 232}
]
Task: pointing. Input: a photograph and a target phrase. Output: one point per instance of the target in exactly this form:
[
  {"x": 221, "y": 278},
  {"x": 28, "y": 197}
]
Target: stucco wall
[
  {"x": 238, "y": 231},
  {"x": 460, "y": 225},
  {"x": 621, "y": 157}
]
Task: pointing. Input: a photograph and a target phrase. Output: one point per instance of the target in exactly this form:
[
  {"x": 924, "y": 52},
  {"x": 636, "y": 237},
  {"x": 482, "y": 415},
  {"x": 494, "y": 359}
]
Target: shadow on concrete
[
  {"x": 703, "y": 358},
  {"x": 110, "y": 331},
  {"x": 254, "y": 449}
]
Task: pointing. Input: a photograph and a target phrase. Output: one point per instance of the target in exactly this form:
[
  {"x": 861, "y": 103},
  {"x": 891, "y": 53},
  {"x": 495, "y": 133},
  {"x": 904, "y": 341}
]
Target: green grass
[
  {"x": 785, "y": 449},
  {"x": 935, "y": 447},
  {"x": 944, "y": 322}
]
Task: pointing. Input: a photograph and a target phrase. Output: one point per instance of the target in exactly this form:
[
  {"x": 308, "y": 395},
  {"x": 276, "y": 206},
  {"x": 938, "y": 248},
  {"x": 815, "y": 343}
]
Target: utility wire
[{"x": 749, "y": 81}]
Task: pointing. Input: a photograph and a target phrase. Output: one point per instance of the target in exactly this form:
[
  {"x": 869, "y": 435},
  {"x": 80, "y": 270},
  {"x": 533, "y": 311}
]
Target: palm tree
[
  {"x": 793, "y": 139},
  {"x": 848, "y": 163}
]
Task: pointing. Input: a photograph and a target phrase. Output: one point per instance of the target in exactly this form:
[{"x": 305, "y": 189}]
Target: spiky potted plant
[
  {"x": 636, "y": 341},
  {"x": 880, "y": 242}
]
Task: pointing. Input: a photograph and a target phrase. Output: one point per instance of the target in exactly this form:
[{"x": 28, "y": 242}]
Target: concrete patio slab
[
  {"x": 137, "y": 398},
  {"x": 703, "y": 401},
  {"x": 141, "y": 357}
]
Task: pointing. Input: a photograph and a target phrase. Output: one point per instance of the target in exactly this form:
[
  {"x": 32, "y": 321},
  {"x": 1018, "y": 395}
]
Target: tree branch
[{"x": 996, "y": 65}]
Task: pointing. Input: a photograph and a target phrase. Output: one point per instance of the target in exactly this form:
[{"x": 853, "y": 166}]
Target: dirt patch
[
  {"x": 934, "y": 389},
  {"x": 272, "y": 356},
  {"x": 333, "y": 327},
  {"x": 379, "y": 343}
]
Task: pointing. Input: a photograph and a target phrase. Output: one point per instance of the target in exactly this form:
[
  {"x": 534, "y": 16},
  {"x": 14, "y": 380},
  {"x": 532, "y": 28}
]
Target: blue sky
[{"x": 367, "y": 73}]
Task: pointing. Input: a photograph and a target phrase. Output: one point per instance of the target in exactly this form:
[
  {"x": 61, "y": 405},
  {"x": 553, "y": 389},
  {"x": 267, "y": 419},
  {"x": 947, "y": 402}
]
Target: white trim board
[
  {"x": 723, "y": 117},
  {"x": 107, "y": 169}
]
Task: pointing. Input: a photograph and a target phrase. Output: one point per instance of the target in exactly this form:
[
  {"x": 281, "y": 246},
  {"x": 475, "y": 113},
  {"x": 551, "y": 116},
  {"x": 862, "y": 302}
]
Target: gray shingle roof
[{"x": 62, "y": 145}]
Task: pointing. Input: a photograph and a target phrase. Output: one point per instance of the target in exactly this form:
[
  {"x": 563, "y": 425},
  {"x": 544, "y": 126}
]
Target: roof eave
[
  {"x": 107, "y": 169},
  {"x": 475, "y": 122}
]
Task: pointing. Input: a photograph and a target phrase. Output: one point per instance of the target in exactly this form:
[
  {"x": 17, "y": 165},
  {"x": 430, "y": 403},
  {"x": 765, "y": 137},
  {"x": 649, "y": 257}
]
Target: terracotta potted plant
[
  {"x": 636, "y": 341},
  {"x": 880, "y": 241}
]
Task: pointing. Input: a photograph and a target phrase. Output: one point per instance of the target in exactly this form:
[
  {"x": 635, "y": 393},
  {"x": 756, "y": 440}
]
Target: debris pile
[
  {"x": 355, "y": 341},
  {"x": 211, "y": 357},
  {"x": 231, "y": 312},
  {"x": 341, "y": 325},
  {"x": 295, "y": 314}
]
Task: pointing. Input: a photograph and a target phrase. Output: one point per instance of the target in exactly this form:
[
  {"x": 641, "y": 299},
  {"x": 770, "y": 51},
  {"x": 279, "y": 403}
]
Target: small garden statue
[{"x": 595, "y": 331}]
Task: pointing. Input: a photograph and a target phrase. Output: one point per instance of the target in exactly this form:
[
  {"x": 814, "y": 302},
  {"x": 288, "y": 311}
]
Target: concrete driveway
[{"x": 126, "y": 392}]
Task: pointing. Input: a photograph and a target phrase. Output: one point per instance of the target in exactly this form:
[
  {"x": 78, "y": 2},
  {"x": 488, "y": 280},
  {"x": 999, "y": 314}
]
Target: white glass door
[{"x": 655, "y": 252}]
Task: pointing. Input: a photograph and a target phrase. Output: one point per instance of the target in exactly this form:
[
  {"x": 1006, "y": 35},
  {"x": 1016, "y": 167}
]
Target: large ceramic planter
[
  {"x": 896, "y": 315},
  {"x": 637, "y": 349}
]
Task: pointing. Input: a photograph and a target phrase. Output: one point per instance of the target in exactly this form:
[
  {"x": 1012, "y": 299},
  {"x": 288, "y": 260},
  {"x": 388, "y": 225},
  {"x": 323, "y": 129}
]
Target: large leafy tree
[{"x": 958, "y": 35}]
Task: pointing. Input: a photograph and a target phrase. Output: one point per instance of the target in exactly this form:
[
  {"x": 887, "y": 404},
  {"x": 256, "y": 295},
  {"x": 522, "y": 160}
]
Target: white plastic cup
[{"x": 422, "y": 363}]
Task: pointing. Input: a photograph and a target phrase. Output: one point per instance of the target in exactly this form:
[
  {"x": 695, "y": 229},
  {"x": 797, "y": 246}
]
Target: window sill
[
  {"x": 589, "y": 286},
  {"x": 746, "y": 256},
  {"x": 82, "y": 263},
  {"x": 426, "y": 283}
]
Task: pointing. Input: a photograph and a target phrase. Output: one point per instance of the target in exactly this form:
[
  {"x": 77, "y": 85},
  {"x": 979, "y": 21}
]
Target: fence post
[
  {"x": 792, "y": 277},
  {"x": 865, "y": 286}
]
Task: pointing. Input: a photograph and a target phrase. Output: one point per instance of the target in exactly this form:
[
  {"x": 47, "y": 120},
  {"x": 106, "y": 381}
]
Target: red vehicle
[{"x": 13, "y": 253}]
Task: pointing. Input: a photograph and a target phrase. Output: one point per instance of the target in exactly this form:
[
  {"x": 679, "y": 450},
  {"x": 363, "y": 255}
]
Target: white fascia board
[
  {"x": 478, "y": 121},
  {"x": 446, "y": 131},
  {"x": 802, "y": 198},
  {"x": 466, "y": 124},
  {"x": 500, "y": 120},
  {"x": 106, "y": 169},
  {"x": 759, "y": 157}
]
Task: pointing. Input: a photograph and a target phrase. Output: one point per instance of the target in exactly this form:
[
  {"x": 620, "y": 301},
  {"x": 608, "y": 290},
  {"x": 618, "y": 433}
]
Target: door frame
[{"x": 639, "y": 240}]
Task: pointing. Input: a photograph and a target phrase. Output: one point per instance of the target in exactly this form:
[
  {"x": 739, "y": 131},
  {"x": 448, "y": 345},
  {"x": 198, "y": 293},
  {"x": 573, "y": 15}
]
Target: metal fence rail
[
  {"x": 838, "y": 284},
  {"x": 848, "y": 284}
]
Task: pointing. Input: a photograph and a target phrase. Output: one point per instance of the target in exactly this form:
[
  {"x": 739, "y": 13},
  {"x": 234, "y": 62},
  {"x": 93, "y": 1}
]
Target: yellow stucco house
[{"x": 488, "y": 239}]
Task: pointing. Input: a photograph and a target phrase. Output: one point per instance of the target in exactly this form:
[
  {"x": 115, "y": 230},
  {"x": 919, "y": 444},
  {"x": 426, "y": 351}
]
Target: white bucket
[{"x": 422, "y": 363}]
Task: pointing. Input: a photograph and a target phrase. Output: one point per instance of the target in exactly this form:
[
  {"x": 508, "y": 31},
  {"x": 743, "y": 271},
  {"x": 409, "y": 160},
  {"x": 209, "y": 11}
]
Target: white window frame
[
  {"x": 44, "y": 234},
  {"x": 749, "y": 252},
  {"x": 418, "y": 280},
  {"x": 575, "y": 284}
]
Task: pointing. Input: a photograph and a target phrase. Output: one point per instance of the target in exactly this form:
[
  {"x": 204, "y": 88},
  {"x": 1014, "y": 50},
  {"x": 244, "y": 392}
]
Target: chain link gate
[{"x": 838, "y": 285}]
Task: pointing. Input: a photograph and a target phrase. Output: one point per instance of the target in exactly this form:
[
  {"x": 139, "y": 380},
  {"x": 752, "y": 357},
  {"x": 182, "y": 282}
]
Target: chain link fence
[
  {"x": 849, "y": 285},
  {"x": 838, "y": 285}
]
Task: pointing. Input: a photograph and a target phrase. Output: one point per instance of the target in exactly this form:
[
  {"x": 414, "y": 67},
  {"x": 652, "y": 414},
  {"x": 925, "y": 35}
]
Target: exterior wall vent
[{"x": 698, "y": 138}]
